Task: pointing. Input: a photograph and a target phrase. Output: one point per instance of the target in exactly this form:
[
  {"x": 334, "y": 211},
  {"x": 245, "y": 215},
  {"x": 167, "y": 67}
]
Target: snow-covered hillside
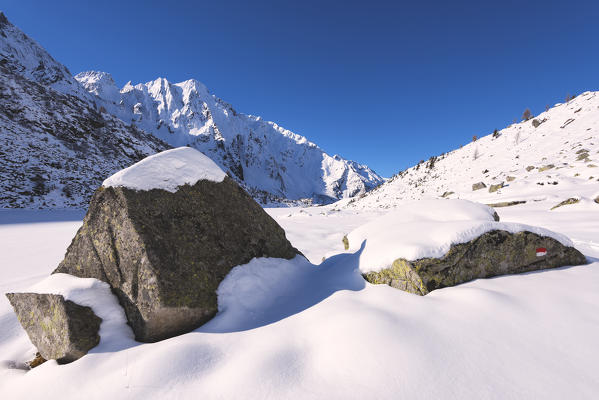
[
  {"x": 55, "y": 146},
  {"x": 27, "y": 58},
  {"x": 552, "y": 162},
  {"x": 270, "y": 161}
]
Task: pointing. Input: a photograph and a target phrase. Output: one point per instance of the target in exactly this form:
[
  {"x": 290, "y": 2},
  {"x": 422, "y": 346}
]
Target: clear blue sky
[{"x": 381, "y": 83}]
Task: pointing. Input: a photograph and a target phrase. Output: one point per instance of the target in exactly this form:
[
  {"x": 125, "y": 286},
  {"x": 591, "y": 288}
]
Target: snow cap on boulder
[{"x": 167, "y": 170}]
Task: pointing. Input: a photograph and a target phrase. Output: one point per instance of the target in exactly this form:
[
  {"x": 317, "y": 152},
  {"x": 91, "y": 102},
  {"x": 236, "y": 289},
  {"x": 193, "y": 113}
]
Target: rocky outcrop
[
  {"x": 165, "y": 253},
  {"x": 546, "y": 167},
  {"x": 491, "y": 254},
  {"x": 571, "y": 200},
  {"x": 507, "y": 203},
  {"x": 478, "y": 186},
  {"x": 60, "y": 329}
]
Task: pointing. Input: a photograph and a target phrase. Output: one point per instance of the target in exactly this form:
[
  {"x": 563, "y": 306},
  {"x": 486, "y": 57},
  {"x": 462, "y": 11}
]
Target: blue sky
[{"x": 383, "y": 83}]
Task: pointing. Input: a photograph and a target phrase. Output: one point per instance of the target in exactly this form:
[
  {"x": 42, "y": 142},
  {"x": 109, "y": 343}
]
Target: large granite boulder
[
  {"x": 492, "y": 254},
  {"x": 60, "y": 329},
  {"x": 164, "y": 233}
]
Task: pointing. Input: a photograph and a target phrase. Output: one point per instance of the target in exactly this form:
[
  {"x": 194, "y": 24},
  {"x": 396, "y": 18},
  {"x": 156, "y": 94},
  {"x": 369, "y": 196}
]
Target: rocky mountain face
[
  {"x": 552, "y": 157},
  {"x": 56, "y": 146},
  {"x": 271, "y": 162}
]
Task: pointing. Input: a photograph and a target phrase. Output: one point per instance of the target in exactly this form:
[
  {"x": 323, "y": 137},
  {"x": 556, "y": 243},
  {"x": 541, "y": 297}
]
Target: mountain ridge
[{"x": 187, "y": 114}]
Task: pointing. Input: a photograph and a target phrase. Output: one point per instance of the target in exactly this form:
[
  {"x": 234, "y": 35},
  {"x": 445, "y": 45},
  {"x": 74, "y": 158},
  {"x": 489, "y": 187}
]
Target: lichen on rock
[
  {"x": 165, "y": 253},
  {"x": 491, "y": 254},
  {"x": 60, "y": 329}
]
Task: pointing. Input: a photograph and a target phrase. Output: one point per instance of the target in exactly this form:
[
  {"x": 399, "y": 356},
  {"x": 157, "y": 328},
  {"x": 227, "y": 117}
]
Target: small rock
[
  {"x": 478, "y": 186},
  {"x": 494, "y": 188},
  {"x": 345, "y": 242},
  {"x": 507, "y": 203},
  {"x": 530, "y": 168},
  {"x": 571, "y": 200},
  {"x": 546, "y": 167},
  {"x": 60, "y": 329},
  {"x": 445, "y": 194},
  {"x": 510, "y": 178}
]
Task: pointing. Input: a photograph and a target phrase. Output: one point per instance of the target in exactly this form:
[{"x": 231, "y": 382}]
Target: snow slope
[
  {"x": 291, "y": 329},
  {"x": 24, "y": 56},
  {"x": 56, "y": 147},
  {"x": 566, "y": 141},
  {"x": 270, "y": 161}
]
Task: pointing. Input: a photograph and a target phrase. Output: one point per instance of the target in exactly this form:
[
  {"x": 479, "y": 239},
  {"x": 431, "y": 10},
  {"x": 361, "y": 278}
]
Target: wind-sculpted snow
[
  {"x": 294, "y": 330},
  {"x": 270, "y": 161}
]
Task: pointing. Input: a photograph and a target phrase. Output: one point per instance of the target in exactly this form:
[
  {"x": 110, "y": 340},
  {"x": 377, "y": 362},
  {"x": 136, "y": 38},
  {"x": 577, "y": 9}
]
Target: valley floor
[{"x": 316, "y": 329}]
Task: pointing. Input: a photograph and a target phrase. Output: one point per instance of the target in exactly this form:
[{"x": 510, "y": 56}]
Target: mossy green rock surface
[
  {"x": 164, "y": 254},
  {"x": 60, "y": 329},
  {"x": 491, "y": 254}
]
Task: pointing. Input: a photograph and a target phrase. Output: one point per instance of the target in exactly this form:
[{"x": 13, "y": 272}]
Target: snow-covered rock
[
  {"x": 428, "y": 228},
  {"x": 164, "y": 252},
  {"x": 270, "y": 161},
  {"x": 167, "y": 170}
]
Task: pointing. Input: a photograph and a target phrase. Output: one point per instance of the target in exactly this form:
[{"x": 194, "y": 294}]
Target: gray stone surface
[
  {"x": 164, "y": 254},
  {"x": 60, "y": 329},
  {"x": 491, "y": 254}
]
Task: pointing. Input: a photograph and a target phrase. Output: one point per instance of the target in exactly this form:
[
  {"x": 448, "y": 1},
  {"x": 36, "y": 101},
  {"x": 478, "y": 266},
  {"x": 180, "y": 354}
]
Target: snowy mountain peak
[
  {"x": 99, "y": 83},
  {"x": 271, "y": 162}
]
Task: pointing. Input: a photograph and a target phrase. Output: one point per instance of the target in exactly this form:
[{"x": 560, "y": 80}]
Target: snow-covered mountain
[
  {"x": 270, "y": 161},
  {"x": 56, "y": 147},
  {"x": 551, "y": 157}
]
